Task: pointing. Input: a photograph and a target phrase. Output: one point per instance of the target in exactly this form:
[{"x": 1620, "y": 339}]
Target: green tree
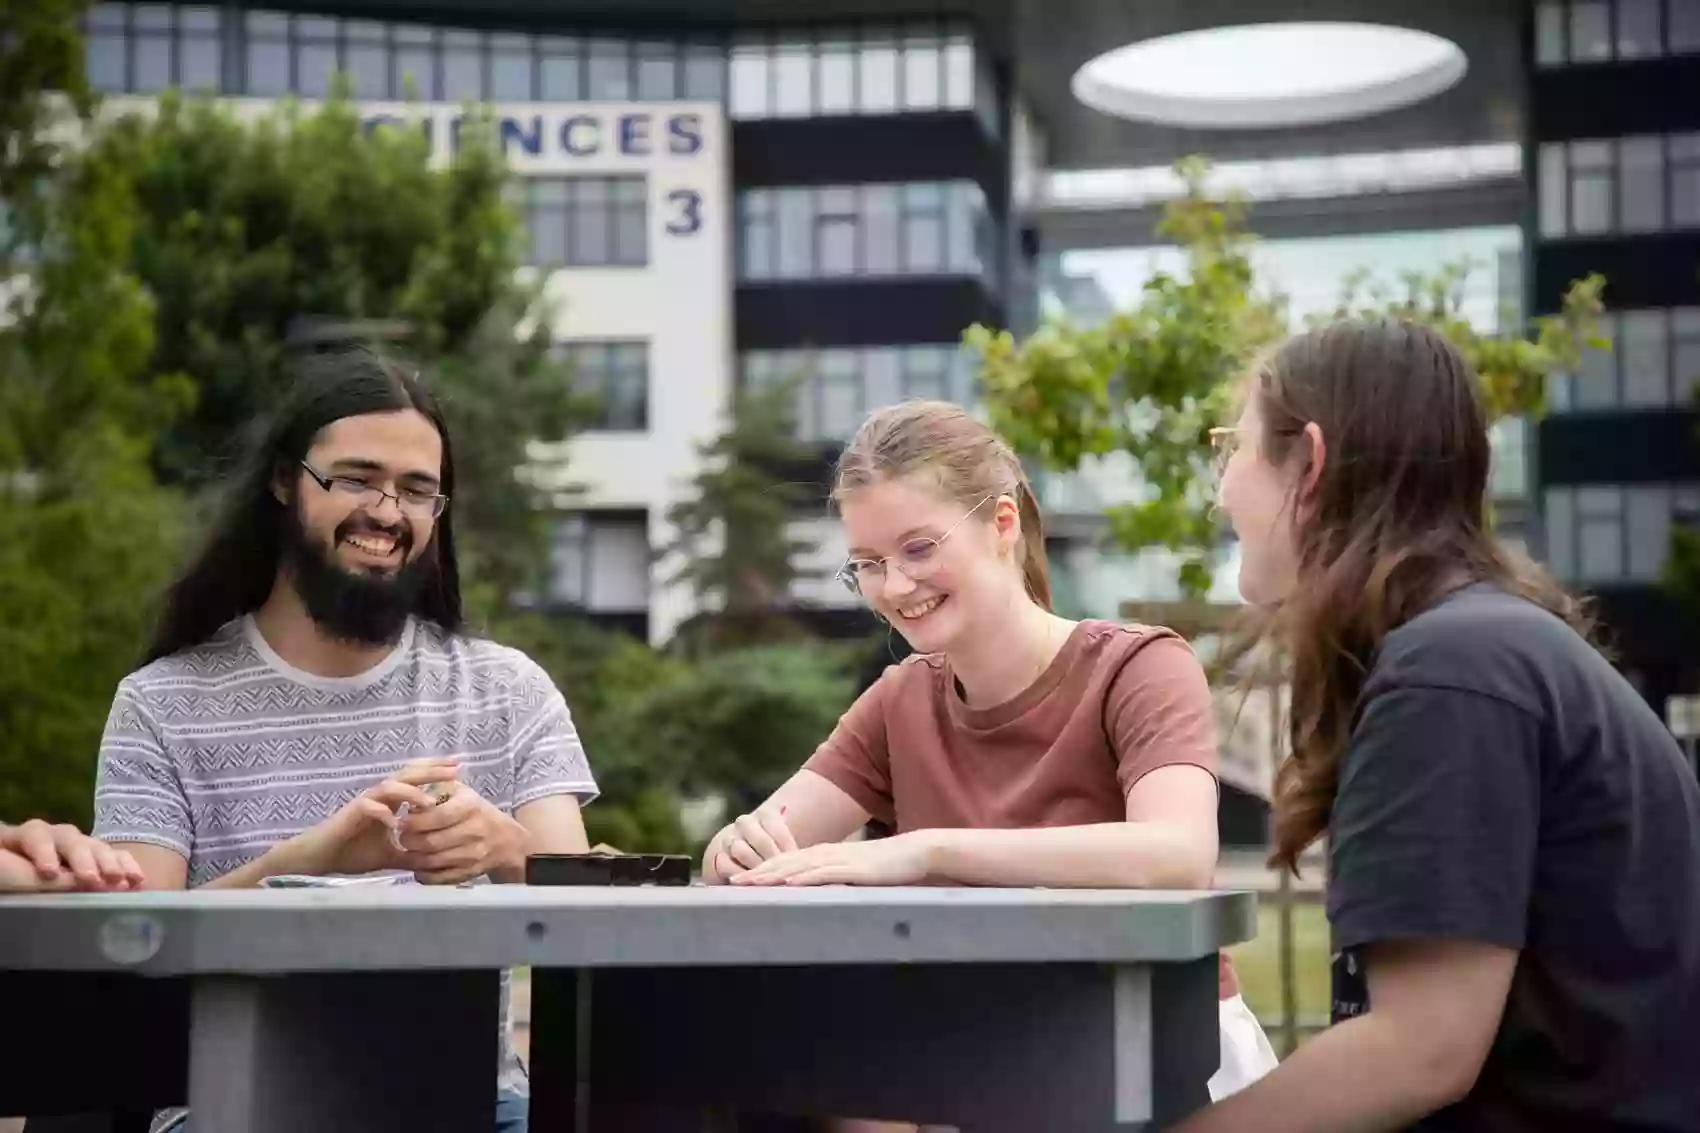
[
  {"x": 735, "y": 545},
  {"x": 84, "y": 530},
  {"x": 1153, "y": 379}
]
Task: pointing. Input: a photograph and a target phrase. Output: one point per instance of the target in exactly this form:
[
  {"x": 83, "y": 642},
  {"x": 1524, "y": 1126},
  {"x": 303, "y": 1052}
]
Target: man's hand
[
  {"x": 463, "y": 836},
  {"x": 38, "y": 857},
  {"x": 360, "y": 838}
]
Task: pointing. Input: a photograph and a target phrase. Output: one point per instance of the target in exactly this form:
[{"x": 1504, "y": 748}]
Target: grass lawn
[{"x": 1258, "y": 962}]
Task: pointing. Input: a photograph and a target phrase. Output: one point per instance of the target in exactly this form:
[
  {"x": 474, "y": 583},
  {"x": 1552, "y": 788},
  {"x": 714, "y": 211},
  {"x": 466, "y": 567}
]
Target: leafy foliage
[
  {"x": 1152, "y": 380},
  {"x": 735, "y": 547}
]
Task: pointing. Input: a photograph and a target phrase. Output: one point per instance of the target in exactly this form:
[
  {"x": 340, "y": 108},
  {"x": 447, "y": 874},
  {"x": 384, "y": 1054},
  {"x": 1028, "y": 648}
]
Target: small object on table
[{"x": 607, "y": 868}]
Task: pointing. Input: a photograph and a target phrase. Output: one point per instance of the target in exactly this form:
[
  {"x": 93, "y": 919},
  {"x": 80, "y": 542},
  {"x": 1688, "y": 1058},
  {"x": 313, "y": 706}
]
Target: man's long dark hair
[{"x": 234, "y": 573}]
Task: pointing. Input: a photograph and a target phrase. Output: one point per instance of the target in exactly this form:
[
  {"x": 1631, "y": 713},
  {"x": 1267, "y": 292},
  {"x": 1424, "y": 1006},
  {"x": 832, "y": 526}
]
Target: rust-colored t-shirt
[{"x": 1118, "y": 701}]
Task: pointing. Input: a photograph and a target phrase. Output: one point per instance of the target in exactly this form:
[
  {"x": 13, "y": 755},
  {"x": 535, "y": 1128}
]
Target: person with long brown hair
[
  {"x": 1513, "y": 837},
  {"x": 1015, "y": 747}
]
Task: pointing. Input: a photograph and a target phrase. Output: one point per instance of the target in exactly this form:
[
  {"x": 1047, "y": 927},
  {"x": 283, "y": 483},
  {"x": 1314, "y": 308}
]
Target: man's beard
[{"x": 357, "y": 606}]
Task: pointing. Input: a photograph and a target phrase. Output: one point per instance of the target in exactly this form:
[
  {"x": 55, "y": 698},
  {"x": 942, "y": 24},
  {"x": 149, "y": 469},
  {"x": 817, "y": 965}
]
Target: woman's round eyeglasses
[
  {"x": 415, "y": 502},
  {"x": 917, "y": 558}
]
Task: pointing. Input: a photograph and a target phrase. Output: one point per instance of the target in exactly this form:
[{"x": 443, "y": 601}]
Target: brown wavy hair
[{"x": 1397, "y": 518}]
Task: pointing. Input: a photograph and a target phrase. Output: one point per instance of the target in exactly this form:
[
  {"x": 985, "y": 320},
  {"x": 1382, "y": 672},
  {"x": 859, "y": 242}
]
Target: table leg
[
  {"x": 347, "y": 1052},
  {"x": 987, "y": 1048}
]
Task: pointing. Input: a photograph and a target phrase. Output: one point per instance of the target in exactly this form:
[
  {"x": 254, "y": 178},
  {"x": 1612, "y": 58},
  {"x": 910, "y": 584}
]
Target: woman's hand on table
[
  {"x": 746, "y": 842},
  {"x": 903, "y": 859}
]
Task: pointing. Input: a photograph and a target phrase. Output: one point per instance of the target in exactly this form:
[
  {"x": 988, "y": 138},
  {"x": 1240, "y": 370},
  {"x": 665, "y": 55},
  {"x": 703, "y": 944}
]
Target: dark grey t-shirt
[{"x": 1505, "y": 785}]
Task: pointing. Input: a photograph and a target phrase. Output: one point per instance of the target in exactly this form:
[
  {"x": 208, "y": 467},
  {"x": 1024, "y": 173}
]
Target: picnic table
[{"x": 371, "y": 1009}]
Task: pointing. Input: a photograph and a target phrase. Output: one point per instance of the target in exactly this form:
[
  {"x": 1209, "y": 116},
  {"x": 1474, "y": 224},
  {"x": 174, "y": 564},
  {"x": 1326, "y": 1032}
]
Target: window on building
[
  {"x": 926, "y": 372},
  {"x": 587, "y": 221},
  {"x": 923, "y": 228},
  {"x": 836, "y": 388},
  {"x": 600, "y": 562},
  {"x": 560, "y": 74},
  {"x": 704, "y": 72},
  {"x": 415, "y": 62},
  {"x": 511, "y": 68},
  {"x": 1682, "y": 32},
  {"x": 794, "y": 233},
  {"x": 756, "y": 234},
  {"x": 1559, "y": 519},
  {"x": 608, "y": 70},
  {"x": 268, "y": 55},
  {"x": 872, "y": 230},
  {"x": 200, "y": 50},
  {"x": 959, "y": 74},
  {"x": 835, "y": 63},
  {"x": 316, "y": 63},
  {"x": 1646, "y": 530},
  {"x": 1590, "y": 31},
  {"x": 1685, "y": 354},
  {"x": 835, "y": 231},
  {"x": 366, "y": 58},
  {"x": 923, "y": 77},
  {"x": 657, "y": 71},
  {"x": 748, "y": 95},
  {"x": 616, "y": 375},
  {"x": 1684, "y": 152},
  {"x": 1641, "y": 184},
  {"x": 1554, "y": 193},
  {"x": 1644, "y": 353},
  {"x": 569, "y": 561},
  {"x": 1599, "y": 533},
  {"x": 107, "y": 47},
  {"x": 1639, "y": 23},
  {"x": 793, "y": 81},
  {"x": 883, "y": 235},
  {"x": 877, "y": 76},
  {"x": 1509, "y": 475},
  {"x": 1591, "y": 179}
]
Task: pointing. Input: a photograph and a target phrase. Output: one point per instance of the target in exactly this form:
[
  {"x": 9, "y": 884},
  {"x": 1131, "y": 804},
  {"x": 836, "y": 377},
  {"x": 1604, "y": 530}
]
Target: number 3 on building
[{"x": 687, "y": 215}]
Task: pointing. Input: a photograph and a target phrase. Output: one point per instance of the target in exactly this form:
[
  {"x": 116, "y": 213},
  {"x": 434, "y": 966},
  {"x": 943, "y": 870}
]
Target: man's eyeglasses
[
  {"x": 415, "y": 502},
  {"x": 917, "y": 559}
]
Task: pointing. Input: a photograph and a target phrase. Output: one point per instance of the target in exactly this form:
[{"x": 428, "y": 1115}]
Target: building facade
[{"x": 1613, "y": 158}]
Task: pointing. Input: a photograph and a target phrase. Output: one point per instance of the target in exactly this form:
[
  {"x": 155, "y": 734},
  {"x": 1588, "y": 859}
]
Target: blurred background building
[{"x": 738, "y": 191}]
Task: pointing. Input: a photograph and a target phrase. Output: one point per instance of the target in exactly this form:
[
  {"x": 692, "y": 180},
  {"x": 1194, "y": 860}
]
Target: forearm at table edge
[
  {"x": 1107, "y": 855},
  {"x": 274, "y": 862}
]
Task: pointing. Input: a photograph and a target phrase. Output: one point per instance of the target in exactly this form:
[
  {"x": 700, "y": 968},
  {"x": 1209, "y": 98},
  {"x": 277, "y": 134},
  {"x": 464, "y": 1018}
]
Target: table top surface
[{"x": 411, "y": 927}]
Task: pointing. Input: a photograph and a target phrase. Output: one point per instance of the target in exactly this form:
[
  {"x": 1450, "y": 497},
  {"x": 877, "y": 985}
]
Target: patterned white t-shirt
[{"x": 224, "y": 750}]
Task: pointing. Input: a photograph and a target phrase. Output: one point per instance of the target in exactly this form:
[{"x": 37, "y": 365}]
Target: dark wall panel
[
  {"x": 1648, "y": 628},
  {"x": 1620, "y": 448},
  {"x": 944, "y": 146},
  {"x": 1643, "y": 271},
  {"x": 882, "y": 313},
  {"x": 1655, "y": 96}
]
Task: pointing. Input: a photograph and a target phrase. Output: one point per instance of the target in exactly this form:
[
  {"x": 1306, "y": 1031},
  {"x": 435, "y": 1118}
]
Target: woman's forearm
[{"x": 1108, "y": 855}]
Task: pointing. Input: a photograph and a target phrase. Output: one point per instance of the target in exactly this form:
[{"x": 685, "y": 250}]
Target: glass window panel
[
  {"x": 959, "y": 75},
  {"x": 657, "y": 71},
  {"x": 1638, "y": 29},
  {"x": 923, "y": 228},
  {"x": 1647, "y": 530},
  {"x": 1549, "y": 34},
  {"x": 1641, "y": 184},
  {"x": 200, "y": 63},
  {"x": 548, "y": 190},
  {"x": 1590, "y": 31},
  {"x": 569, "y": 555},
  {"x": 1682, "y": 33},
  {"x": 963, "y": 254},
  {"x": 1553, "y": 181},
  {"x": 1559, "y": 513},
  {"x": 793, "y": 82},
  {"x": 198, "y": 18},
  {"x": 841, "y": 407},
  {"x": 510, "y": 68},
  {"x": 108, "y": 17},
  {"x": 1645, "y": 350},
  {"x": 1509, "y": 475},
  {"x": 922, "y": 82},
  {"x": 1595, "y": 386},
  {"x": 558, "y": 74},
  {"x": 106, "y": 63},
  {"x": 749, "y": 82},
  {"x": 548, "y": 236},
  {"x": 880, "y": 229},
  {"x": 151, "y": 17},
  {"x": 315, "y": 63},
  {"x": 631, "y": 235},
  {"x": 795, "y": 216},
  {"x": 1685, "y": 354},
  {"x": 272, "y": 24},
  {"x": 836, "y": 254},
  {"x": 629, "y": 191},
  {"x": 609, "y": 71},
  {"x": 463, "y": 67},
  {"x": 1599, "y": 533},
  {"x": 705, "y": 73},
  {"x": 592, "y": 236},
  {"x": 1684, "y": 152},
  {"x": 882, "y": 375},
  {"x": 836, "y": 70},
  {"x": 755, "y": 244},
  {"x": 368, "y": 69},
  {"x": 415, "y": 73},
  {"x": 316, "y": 27},
  {"x": 1590, "y": 203},
  {"x": 152, "y": 63},
  {"x": 926, "y": 371},
  {"x": 877, "y": 77},
  {"x": 363, "y": 31},
  {"x": 420, "y": 35},
  {"x": 268, "y": 67}
]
